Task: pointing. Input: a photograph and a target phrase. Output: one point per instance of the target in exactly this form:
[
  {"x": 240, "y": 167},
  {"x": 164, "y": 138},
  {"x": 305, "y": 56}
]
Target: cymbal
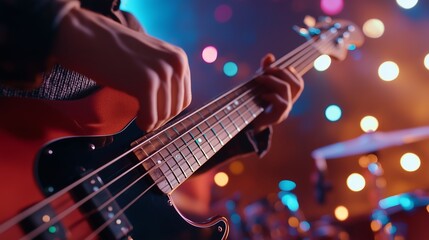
[{"x": 371, "y": 142}]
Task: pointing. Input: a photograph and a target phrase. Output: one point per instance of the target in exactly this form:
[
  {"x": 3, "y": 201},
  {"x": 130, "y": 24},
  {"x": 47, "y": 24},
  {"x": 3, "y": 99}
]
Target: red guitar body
[{"x": 83, "y": 135}]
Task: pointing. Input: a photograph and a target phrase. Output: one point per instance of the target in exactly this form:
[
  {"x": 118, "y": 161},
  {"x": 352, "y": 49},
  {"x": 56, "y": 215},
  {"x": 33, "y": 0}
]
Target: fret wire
[
  {"x": 186, "y": 129},
  {"x": 178, "y": 162},
  {"x": 173, "y": 158},
  {"x": 196, "y": 159},
  {"x": 150, "y": 166},
  {"x": 186, "y": 146},
  {"x": 197, "y": 142},
  {"x": 179, "y": 157},
  {"x": 173, "y": 164},
  {"x": 233, "y": 123},
  {"x": 163, "y": 169},
  {"x": 251, "y": 112},
  {"x": 178, "y": 149},
  {"x": 228, "y": 134},
  {"x": 254, "y": 105},
  {"x": 207, "y": 140},
  {"x": 173, "y": 170},
  {"x": 234, "y": 115},
  {"x": 241, "y": 116},
  {"x": 206, "y": 134},
  {"x": 198, "y": 134},
  {"x": 174, "y": 167}
]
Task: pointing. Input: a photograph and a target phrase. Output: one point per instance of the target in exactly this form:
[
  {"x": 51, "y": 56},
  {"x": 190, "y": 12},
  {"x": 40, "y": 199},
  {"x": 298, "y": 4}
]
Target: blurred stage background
[{"x": 334, "y": 105}]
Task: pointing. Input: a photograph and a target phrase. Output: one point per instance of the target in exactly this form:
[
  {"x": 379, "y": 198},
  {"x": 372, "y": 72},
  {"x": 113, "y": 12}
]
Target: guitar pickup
[
  {"x": 41, "y": 217},
  {"x": 98, "y": 213}
]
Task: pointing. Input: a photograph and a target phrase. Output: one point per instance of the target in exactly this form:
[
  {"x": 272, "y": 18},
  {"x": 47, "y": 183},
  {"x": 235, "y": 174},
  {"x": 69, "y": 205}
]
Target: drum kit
[{"x": 367, "y": 143}]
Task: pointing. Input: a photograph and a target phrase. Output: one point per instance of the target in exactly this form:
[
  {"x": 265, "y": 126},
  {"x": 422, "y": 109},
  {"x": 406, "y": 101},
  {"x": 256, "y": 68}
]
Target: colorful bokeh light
[
  {"x": 388, "y": 71},
  {"x": 333, "y": 113},
  {"x": 426, "y": 61},
  {"x": 209, "y": 54},
  {"x": 341, "y": 213},
  {"x": 221, "y": 179},
  {"x": 410, "y": 162},
  {"x": 223, "y": 13},
  {"x": 322, "y": 63},
  {"x": 369, "y": 124},
  {"x": 287, "y": 185},
  {"x": 407, "y": 4},
  {"x": 230, "y": 69},
  {"x": 356, "y": 182},
  {"x": 332, "y": 7},
  {"x": 236, "y": 167},
  {"x": 373, "y": 28}
]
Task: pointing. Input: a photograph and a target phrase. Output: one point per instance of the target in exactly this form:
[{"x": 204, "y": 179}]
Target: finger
[
  {"x": 273, "y": 84},
  {"x": 288, "y": 76},
  {"x": 278, "y": 110},
  {"x": 148, "y": 111},
  {"x": 187, "y": 88},
  {"x": 178, "y": 95},
  {"x": 164, "y": 98},
  {"x": 299, "y": 82},
  {"x": 267, "y": 60}
]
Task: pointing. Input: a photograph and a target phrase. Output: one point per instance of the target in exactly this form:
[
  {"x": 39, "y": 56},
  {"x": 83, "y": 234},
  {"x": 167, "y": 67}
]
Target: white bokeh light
[
  {"x": 388, "y": 71},
  {"x": 407, "y": 4},
  {"x": 426, "y": 61},
  {"x": 373, "y": 28},
  {"x": 322, "y": 63},
  {"x": 410, "y": 162},
  {"x": 356, "y": 182},
  {"x": 369, "y": 124}
]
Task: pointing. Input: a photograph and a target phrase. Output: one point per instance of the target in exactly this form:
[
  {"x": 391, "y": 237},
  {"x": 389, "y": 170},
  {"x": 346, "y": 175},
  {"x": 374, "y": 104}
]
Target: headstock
[{"x": 332, "y": 37}]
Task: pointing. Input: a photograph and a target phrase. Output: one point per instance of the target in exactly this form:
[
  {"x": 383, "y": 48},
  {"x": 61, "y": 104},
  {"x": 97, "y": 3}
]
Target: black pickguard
[{"x": 64, "y": 161}]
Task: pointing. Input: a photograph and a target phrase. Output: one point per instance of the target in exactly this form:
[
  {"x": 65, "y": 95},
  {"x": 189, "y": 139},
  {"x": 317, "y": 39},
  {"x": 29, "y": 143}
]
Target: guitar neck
[{"x": 189, "y": 142}]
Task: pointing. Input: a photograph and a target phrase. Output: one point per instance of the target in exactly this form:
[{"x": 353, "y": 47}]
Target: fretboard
[{"x": 173, "y": 153}]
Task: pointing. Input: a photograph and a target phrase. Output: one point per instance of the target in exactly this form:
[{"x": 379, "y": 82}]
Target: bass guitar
[{"x": 81, "y": 169}]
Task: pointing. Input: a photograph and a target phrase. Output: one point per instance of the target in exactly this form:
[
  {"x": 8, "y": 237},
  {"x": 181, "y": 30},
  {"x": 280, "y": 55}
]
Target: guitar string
[
  {"x": 29, "y": 211},
  {"x": 106, "y": 224},
  {"x": 337, "y": 32},
  {"x": 51, "y": 222},
  {"x": 70, "y": 209},
  {"x": 118, "y": 194},
  {"x": 60, "y": 217},
  {"x": 152, "y": 136},
  {"x": 120, "y": 212},
  {"x": 113, "y": 218}
]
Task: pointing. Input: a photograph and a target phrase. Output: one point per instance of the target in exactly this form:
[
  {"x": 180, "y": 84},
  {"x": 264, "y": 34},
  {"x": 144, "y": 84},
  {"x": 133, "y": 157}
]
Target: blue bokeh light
[
  {"x": 333, "y": 113},
  {"x": 290, "y": 201},
  {"x": 287, "y": 185},
  {"x": 230, "y": 69}
]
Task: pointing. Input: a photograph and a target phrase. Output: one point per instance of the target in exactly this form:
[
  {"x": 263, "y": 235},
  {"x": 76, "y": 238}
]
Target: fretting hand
[{"x": 282, "y": 87}]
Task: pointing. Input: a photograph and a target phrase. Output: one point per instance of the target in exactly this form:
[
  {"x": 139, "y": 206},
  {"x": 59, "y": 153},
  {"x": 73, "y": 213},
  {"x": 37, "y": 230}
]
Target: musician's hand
[
  {"x": 154, "y": 72},
  {"x": 282, "y": 89}
]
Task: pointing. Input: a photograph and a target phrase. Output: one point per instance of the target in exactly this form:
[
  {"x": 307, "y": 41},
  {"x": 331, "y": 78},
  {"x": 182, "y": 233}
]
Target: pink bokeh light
[
  {"x": 223, "y": 13},
  {"x": 209, "y": 54},
  {"x": 332, "y": 7}
]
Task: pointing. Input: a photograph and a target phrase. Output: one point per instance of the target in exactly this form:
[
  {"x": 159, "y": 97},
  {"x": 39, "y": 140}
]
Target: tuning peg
[
  {"x": 325, "y": 19},
  {"x": 309, "y": 21},
  {"x": 307, "y": 33},
  {"x": 302, "y": 31}
]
